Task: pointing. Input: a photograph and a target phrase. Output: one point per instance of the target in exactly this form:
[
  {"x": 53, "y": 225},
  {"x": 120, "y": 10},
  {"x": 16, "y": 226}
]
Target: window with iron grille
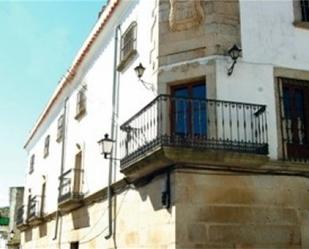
[
  {"x": 46, "y": 146},
  {"x": 128, "y": 45},
  {"x": 304, "y": 4},
  {"x": 294, "y": 96},
  {"x": 81, "y": 103},
  {"x": 31, "y": 168},
  {"x": 60, "y": 128}
]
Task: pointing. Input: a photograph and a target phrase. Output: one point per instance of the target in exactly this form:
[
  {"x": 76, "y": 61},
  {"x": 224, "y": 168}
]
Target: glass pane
[
  {"x": 181, "y": 111},
  {"x": 199, "y": 91},
  {"x": 299, "y": 103},
  {"x": 287, "y": 103},
  {"x": 199, "y": 111}
]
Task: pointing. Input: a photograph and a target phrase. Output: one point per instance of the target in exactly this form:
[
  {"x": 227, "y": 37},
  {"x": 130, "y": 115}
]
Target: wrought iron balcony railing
[
  {"x": 20, "y": 216},
  {"x": 195, "y": 123},
  {"x": 70, "y": 185},
  {"x": 35, "y": 207}
]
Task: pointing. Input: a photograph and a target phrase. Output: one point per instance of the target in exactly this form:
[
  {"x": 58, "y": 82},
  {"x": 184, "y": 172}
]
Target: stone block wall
[
  {"x": 194, "y": 29},
  {"x": 226, "y": 210},
  {"x": 209, "y": 209}
]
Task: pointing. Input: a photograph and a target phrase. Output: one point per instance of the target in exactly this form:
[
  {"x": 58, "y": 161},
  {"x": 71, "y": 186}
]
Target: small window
[
  {"x": 128, "y": 45},
  {"x": 74, "y": 245},
  {"x": 60, "y": 128},
  {"x": 301, "y": 13},
  {"x": 81, "y": 103},
  {"x": 304, "y": 4},
  {"x": 46, "y": 146},
  {"x": 32, "y": 159}
]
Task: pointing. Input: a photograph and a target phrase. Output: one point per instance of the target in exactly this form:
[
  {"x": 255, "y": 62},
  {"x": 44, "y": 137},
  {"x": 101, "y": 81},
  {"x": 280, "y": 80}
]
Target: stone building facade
[
  {"x": 16, "y": 201},
  {"x": 210, "y": 145}
]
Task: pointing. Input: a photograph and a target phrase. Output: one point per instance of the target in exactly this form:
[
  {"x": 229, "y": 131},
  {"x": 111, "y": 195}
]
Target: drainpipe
[
  {"x": 114, "y": 132},
  {"x": 62, "y": 162},
  {"x": 166, "y": 192}
]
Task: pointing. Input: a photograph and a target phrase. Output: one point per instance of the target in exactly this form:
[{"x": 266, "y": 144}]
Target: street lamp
[
  {"x": 106, "y": 146},
  {"x": 234, "y": 53}
]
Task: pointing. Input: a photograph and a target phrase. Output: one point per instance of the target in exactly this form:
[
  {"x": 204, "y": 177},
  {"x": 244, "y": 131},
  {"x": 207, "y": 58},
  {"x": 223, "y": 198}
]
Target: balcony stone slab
[{"x": 166, "y": 156}]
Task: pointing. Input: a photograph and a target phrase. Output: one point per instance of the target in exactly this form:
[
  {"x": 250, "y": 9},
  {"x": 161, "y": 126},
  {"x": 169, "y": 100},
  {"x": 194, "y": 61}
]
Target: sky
[{"x": 38, "y": 42}]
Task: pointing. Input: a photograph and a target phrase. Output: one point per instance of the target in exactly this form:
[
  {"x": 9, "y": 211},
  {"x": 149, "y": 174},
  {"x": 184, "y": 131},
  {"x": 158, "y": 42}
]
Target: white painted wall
[
  {"x": 97, "y": 73},
  {"x": 268, "y": 39},
  {"x": 250, "y": 83},
  {"x": 268, "y": 35}
]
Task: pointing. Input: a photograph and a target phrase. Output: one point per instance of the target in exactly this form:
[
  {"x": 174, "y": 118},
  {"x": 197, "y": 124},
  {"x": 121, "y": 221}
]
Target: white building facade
[{"x": 209, "y": 151}]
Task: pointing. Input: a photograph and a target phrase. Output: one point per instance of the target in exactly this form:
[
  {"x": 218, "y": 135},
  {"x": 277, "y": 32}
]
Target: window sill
[
  {"x": 80, "y": 114},
  {"x": 301, "y": 24},
  {"x": 125, "y": 61}
]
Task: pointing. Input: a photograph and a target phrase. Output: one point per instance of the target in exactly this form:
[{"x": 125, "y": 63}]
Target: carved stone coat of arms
[{"x": 185, "y": 14}]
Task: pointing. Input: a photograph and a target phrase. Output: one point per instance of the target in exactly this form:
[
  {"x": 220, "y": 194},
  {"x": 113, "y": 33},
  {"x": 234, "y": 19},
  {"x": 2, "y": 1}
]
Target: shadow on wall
[
  {"x": 80, "y": 218},
  {"x": 158, "y": 190},
  {"x": 28, "y": 235},
  {"x": 43, "y": 230}
]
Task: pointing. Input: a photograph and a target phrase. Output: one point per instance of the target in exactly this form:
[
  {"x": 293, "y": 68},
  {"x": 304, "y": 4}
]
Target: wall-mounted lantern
[
  {"x": 106, "y": 145},
  {"x": 139, "y": 70},
  {"x": 234, "y": 53}
]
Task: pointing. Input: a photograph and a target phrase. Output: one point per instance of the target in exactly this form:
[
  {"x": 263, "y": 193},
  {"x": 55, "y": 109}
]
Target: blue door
[{"x": 189, "y": 109}]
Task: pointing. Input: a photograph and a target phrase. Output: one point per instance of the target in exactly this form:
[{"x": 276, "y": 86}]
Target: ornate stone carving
[{"x": 185, "y": 14}]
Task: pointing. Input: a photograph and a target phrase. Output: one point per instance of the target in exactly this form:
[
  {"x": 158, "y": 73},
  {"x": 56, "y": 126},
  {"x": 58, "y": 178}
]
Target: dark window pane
[
  {"x": 181, "y": 111},
  {"x": 299, "y": 103},
  {"x": 199, "y": 91},
  {"x": 305, "y": 10},
  {"x": 286, "y": 103},
  {"x": 199, "y": 111}
]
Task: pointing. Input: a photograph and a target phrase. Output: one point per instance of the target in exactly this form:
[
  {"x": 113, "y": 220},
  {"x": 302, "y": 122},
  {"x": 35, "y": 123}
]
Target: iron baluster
[
  {"x": 223, "y": 126},
  {"x": 230, "y": 124},
  {"x": 251, "y": 125},
  {"x": 245, "y": 123},
  {"x": 237, "y": 124}
]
